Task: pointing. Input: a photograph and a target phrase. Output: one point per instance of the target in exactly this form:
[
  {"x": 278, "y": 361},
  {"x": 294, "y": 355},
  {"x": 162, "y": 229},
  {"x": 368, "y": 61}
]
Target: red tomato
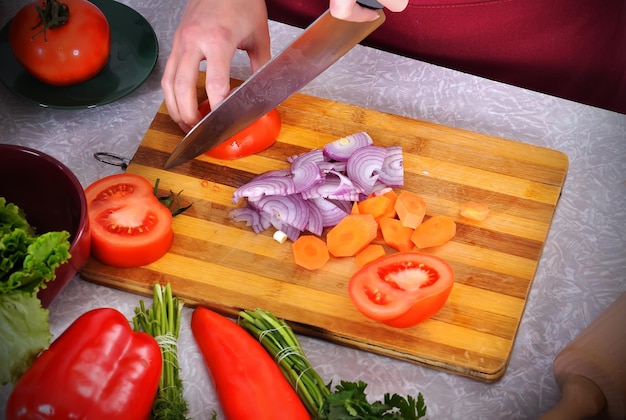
[
  {"x": 130, "y": 227},
  {"x": 402, "y": 289},
  {"x": 63, "y": 55},
  {"x": 258, "y": 136}
]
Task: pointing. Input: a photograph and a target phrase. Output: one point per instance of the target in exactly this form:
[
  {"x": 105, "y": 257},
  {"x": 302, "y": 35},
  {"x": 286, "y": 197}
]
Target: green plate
[{"x": 134, "y": 53}]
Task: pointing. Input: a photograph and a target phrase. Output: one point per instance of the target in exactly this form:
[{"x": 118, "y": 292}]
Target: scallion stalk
[
  {"x": 162, "y": 321},
  {"x": 280, "y": 341}
]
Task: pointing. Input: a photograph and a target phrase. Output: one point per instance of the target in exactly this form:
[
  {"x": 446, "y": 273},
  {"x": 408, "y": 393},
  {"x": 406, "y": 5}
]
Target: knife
[{"x": 324, "y": 42}]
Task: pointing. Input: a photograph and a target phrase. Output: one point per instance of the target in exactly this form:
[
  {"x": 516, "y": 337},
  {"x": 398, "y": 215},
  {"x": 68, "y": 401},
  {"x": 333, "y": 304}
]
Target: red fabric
[{"x": 575, "y": 49}]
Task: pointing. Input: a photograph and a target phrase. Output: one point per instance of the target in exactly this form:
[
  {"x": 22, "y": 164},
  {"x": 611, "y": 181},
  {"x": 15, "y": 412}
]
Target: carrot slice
[
  {"x": 369, "y": 254},
  {"x": 353, "y": 233},
  {"x": 376, "y": 205},
  {"x": 310, "y": 252},
  {"x": 393, "y": 197},
  {"x": 355, "y": 208},
  {"x": 395, "y": 234},
  {"x": 411, "y": 209},
  {"x": 434, "y": 232},
  {"x": 474, "y": 211}
]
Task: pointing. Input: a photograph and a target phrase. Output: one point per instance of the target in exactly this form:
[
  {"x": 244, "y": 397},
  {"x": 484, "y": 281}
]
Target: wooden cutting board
[{"x": 226, "y": 267}]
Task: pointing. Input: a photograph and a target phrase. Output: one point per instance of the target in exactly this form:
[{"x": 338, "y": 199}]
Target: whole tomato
[{"x": 61, "y": 43}]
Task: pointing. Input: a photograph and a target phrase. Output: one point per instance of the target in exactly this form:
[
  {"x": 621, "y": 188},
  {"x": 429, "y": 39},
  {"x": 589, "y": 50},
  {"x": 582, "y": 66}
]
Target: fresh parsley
[{"x": 349, "y": 402}]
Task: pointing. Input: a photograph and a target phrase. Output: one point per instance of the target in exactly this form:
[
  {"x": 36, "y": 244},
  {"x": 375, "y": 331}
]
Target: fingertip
[{"x": 217, "y": 88}]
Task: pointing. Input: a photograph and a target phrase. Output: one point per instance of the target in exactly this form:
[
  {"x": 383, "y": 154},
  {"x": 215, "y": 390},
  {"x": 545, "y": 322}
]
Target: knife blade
[{"x": 324, "y": 42}]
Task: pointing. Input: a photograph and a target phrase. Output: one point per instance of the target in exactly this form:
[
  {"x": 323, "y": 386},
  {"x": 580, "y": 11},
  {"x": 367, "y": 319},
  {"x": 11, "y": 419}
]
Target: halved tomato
[
  {"x": 255, "y": 138},
  {"x": 402, "y": 289},
  {"x": 130, "y": 227}
]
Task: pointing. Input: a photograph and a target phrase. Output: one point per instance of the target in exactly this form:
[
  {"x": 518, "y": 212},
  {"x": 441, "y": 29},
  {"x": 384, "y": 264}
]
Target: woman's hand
[
  {"x": 212, "y": 30},
  {"x": 350, "y": 10}
]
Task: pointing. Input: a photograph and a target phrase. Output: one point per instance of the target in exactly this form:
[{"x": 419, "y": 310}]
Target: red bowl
[{"x": 53, "y": 199}]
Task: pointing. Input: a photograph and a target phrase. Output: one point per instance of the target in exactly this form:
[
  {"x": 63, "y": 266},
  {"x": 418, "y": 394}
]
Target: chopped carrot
[
  {"x": 355, "y": 208},
  {"x": 411, "y": 209},
  {"x": 353, "y": 233},
  {"x": 474, "y": 211},
  {"x": 434, "y": 232},
  {"x": 376, "y": 205},
  {"x": 369, "y": 254},
  {"x": 392, "y": 196},
  {"x": 310, "y": 252},
  {"x": 395, "y": 234}
]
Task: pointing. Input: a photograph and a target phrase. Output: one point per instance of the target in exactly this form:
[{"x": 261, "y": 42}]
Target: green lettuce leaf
[
  {"x": 25, "y": 332},
  {"x": 44, "y": 254},
  {"x": 27, "y": 262},
  {"x": 12, "y": 217}
]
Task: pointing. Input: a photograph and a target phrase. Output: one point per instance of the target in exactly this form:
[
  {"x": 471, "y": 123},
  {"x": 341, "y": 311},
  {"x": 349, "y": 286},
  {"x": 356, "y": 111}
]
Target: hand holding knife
[{"x": 320, "y": 45}]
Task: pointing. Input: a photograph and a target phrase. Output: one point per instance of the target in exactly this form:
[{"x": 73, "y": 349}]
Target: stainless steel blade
[{"x": 320, "y": 45}]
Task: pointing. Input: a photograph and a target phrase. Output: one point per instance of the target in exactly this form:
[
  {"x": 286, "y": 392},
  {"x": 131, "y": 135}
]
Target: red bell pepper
[
  {"x": 99, "y": 368},
  {"x": 248, "y": 382}
]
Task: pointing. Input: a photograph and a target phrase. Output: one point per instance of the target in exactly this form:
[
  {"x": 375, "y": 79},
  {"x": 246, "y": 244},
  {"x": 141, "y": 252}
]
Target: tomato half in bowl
[
  {"x": 130, "y": 227},
  {"x": 403, "y": 289}
]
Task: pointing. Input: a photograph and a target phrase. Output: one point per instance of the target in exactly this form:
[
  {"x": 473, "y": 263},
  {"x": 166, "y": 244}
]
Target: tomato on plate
[
  {"x": 130, "y": 227},
  {"x": 255, "y": 138},
  {"x": 402, "y": 289},
  {"x": 64, "y": 53}
]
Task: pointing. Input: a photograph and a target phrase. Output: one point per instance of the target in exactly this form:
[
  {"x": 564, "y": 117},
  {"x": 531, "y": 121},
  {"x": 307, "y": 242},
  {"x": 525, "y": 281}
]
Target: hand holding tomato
[
  {"x": 61, "y": 43},
  {"x": 212, "y": 30}
]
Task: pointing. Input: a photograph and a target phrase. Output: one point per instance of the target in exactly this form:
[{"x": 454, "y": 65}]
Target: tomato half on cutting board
[
  {"x": 130, "y": 227},
  {"x": 402, "y": 289},
  {"x": 255, "y": 138},
  {"x": 61, "y": 42}
]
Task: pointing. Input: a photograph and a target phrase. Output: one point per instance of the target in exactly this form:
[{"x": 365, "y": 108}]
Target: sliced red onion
[
  {"x": 341, "y": 149},
  {"x": 289, "y": 209},
  {"x": 316, "y": 220},
  {"x": 392, "y": 171},
  {"x": 330, "y": 212},
  {"x": 319, "y": 188},
  {"x": 251, "y": 217},
  {"x": 305, "y": 175},
  {"x": 364, "y": 166},
  {"x": 334, "y": 166},
  {"x": 335, "y": 185},
  {"x": 345, "y": 205},
  {"x": 314, "y": 155},
  {"x": 265, "y": 185}
]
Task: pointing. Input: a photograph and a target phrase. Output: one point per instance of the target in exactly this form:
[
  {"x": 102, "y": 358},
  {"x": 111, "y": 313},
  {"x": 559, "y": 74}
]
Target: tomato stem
[{"x": 52, "y": 14}]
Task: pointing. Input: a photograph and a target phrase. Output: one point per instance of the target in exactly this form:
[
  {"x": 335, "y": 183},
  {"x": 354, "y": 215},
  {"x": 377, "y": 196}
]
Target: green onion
[
  {"x": 280, "y": 341},
  {"x": 347, "y": 401},
  {"x": 162, "y": 322}
]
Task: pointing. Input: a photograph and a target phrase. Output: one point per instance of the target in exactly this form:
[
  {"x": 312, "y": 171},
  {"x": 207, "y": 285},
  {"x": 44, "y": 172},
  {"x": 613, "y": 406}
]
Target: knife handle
[{"x": 370, "y": 4}]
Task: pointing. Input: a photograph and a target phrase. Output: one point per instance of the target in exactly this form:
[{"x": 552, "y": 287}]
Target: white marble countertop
[{"x": 581, "y": 271}]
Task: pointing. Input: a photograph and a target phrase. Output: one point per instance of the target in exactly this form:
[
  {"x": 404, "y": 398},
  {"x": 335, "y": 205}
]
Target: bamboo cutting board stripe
[{"x": 225, "y": 266}]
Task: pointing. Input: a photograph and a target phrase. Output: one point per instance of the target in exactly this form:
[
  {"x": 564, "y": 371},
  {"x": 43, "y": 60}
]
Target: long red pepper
[
  {"x": 98, "y": 369},
  {"x": 248, "y": 382}
]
